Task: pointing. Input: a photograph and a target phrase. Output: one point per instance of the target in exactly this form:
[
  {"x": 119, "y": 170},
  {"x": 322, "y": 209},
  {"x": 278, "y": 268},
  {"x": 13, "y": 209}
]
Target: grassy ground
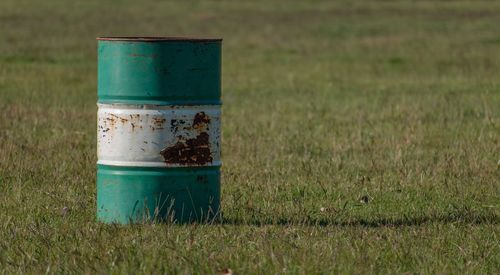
[{"x": 357, "y": 137}]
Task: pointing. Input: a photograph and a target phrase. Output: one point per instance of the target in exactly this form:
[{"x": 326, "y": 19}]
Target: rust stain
[
  {"x": 194, "y": 151},
  {"x": 110, "y": 121},
  {"x": 123, "y": 120},
  {"x": 200, "y": 120},
  {"x": 158, "y": 121}
]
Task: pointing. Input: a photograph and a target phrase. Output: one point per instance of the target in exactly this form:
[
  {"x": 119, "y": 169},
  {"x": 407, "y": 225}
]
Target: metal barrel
[{"x": 158, "y": 136}]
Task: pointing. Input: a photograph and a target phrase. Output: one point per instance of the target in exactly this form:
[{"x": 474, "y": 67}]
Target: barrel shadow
[{"x": 444, "y": 218}]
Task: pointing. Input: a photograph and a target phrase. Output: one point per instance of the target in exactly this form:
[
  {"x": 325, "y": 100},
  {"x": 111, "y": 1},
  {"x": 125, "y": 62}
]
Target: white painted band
[{"x": 158, "y": 136}]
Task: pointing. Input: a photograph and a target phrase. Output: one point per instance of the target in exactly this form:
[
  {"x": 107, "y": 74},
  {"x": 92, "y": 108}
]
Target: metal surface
[
  {"x": 158, "y": 130},
  {"x": 139, "y": 194},
  {"x": 158, "y": 136},
  {"x": 162, "y": 72}
]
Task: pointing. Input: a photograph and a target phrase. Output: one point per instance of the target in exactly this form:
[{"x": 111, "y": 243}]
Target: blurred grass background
[{"x": 358, "y": 137}]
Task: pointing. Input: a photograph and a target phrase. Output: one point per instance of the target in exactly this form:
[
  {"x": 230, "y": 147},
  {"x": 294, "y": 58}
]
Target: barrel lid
[{"x": 158, "y": 39}]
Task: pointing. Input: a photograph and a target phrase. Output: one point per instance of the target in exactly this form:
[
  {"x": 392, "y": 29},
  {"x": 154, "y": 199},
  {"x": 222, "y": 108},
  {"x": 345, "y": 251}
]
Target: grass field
[{"x": 358, "y": 137}]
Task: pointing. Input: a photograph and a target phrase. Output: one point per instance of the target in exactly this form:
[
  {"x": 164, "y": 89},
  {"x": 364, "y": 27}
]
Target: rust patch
[
  {"x": 158, "y": 121},
  {"x": 193, "y": 151},
  {"x": 175, "y": 124},
  {"x": 200, "y": 120}
]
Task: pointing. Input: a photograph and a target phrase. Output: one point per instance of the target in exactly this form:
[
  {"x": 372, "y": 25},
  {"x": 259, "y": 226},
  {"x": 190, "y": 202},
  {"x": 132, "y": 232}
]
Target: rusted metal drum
[{"x": 158, "y": 136}]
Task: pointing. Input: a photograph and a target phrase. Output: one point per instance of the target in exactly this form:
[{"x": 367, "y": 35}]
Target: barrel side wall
[
  {"x": 164, "y": 73},
  {"x": 158, "y": 131}
]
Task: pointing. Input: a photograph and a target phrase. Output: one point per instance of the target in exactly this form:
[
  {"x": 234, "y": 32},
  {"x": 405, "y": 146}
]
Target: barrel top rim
[{"x": 158, "y": 39}]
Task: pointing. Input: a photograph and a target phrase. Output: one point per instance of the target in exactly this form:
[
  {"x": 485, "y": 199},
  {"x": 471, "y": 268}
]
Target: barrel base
[{"x": 143, "y": 194}]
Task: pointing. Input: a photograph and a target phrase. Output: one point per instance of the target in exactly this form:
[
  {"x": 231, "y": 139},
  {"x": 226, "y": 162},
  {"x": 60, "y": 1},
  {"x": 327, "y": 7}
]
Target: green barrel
[{"x": 158, "y": 129}]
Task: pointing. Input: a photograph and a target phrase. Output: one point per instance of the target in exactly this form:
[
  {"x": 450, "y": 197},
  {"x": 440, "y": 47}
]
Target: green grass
[{"x": 326, "y": 104}]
